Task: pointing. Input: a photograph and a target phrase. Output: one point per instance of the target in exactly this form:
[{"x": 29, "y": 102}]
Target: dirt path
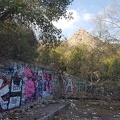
[
  {"x": 37, "y": 111},
  {"x": 77, "y": 110},
  {"x": 90, "y": 110}
]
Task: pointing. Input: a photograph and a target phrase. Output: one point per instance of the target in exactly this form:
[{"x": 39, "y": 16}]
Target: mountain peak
[{"x": 82, "y": 37}]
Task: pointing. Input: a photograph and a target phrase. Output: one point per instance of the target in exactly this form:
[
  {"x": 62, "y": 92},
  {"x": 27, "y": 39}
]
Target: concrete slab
[{"x": 53, "y": 111}]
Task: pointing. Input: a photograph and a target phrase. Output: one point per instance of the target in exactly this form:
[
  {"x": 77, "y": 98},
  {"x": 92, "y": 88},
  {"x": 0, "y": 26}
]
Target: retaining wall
[{"x": 21, "y": 83}]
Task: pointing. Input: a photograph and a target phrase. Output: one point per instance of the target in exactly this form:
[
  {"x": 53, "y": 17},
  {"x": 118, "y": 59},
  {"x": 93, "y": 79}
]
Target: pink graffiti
[
  {"x": 48, "y": 87},
  {"x": 27, "y": 72},
  {"x": 34, "y": 75},
  {"x": 46, "y": 76},
  {"x": 29, "y": 89}
]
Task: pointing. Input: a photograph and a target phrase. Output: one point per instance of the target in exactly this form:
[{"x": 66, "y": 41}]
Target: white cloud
[
  {"x": 87, "y": 16},
  {"x": 66, "y": 24},
  {"x": 81, "y": 19}
]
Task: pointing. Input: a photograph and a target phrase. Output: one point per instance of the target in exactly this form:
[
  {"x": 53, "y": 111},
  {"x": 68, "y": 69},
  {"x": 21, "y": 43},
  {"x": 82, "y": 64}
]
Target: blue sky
[{"x": 83, "y": 12}]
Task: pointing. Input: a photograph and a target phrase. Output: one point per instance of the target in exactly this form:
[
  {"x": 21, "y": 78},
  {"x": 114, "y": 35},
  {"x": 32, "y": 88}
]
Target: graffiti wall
[
  {"x": 23, "y": 83},
  {"x": 74, "y": 87}
]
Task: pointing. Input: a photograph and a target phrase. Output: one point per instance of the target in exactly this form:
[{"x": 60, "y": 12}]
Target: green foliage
[
  {"x": 16, "y": 16},
  {"x": 40, "y": 12},
  {"x": 33, "y": 10},
  {"x": 103, "y": 61},
  {"x": 44, "y": 55},
  {"x": 55, "y": 59},
  {"x": 17, "y": 42},
  {"x": 75, "y": 57},
  {"x": 112, "y": 68},
  {"x": 10, "y": 7}
]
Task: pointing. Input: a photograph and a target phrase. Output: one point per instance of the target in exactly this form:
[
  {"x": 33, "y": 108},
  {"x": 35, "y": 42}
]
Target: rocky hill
[{"x": 83, "y": 37}]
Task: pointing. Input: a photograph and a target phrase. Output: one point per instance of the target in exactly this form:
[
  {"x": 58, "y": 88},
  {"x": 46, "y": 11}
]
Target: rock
[
  {"x": 89, "y": 109},
  {"x": 118, "y": 116},
  {"x": 42, "y": 105},
  {"x": 7, "y": 119},
  {"x": 85, "y": 113},
  {"x": 72, "y": 105},
  {"x": 57, "y": 118},
  {"x": 76, "y": 116},
  {"x": 95, "y": 118},
  {"x": 82, "y": 36},
  {"x": 45, "y": 102},
  {"x": 52, "y": 101},
  {"x": 76, "y": 108},
  {"x": 44, "y": 114},
  {"x": 111, "y": 108},
  {"x": 94, "y": 113},
  {"x": 16, "y": 117}
]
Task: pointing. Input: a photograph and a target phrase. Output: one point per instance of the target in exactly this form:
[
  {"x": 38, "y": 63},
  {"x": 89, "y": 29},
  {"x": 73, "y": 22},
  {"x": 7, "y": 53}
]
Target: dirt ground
[
  {"x": 34, "y": 112},
  {"x": 90, "y": 110},
  {"x": 77, "y": 110}
]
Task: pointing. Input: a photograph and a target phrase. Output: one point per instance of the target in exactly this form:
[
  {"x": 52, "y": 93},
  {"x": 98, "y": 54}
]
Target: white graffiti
[
  {"x": 14, "y": 102},
  {"x": 3, "y": 91},
  {"x": 69, "y": 86},
  {"x": 16, "y": 88}
]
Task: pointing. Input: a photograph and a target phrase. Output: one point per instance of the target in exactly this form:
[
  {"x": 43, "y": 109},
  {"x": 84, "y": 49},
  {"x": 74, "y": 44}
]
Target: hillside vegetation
[
  {"x": 18, "y": 20},
  {"x": 87, "y": 57},
  {"x": 17, "y": 42}
]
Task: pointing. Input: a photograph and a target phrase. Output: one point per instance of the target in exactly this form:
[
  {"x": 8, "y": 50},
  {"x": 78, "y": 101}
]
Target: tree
[
  {"x": 107, "y": 23},
  {"x": 17, "y": 42},
  {"x": 38, "y": 12}
]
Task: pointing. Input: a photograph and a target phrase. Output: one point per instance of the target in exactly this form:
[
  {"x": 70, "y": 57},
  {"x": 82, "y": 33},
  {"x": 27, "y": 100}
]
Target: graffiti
[
  {"x": 40, "y": 84},
  {"x": 47, "y": 76},
  {"x": 40, "y": 73},
  {"x": 46, "y": 84},
  {"x": 15, "y": 92},
  {"x": 94, "y": 89},
  {"x": 48, "y": 87},
  {"x": 27, "y": 72},
  {"x": 82, "y": 86},
  {"x": 69, "y": 86},
  {"x": 30, "y": 90},
  {"x": 23, "y": 99},
  {"x": 39, "y": 87},
  {"x": 14, "y": 102},
  {"x": 20, "y": 84},
  {"x": 3, "y": 91},
  {"x": 75, "y": 88},
  {"x": 16, "y": 69},
  {"x": 16, "y": 85}
]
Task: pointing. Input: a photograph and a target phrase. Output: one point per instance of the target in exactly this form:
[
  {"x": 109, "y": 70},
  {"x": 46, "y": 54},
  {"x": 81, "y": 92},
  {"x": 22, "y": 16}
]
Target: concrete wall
[
  {"x": 79, "y": 88},
  {"x": 22, "y": 83}
]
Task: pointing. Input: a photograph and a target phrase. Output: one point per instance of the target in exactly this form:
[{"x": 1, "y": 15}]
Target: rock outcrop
[{"x": 83, "y": 37}]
